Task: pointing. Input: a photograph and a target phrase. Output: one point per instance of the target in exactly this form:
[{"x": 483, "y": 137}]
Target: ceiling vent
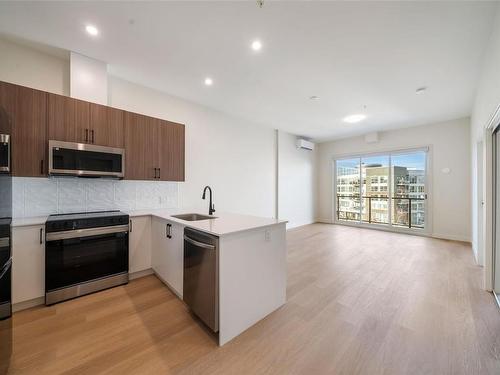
[{"x": 305, "y": 144}]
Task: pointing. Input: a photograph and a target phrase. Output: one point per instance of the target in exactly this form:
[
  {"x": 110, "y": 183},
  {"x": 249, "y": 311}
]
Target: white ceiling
[{"x": 350, "y": 54}]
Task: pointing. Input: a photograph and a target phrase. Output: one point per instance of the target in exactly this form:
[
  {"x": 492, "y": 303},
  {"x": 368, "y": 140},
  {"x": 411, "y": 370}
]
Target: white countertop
[
  {"x": 224, "y": 223},
  {"x": 29, "y": 221}
]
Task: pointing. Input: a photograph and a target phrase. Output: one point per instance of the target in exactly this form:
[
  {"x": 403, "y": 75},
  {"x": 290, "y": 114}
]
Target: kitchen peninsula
[{"x": 251, "y": 261}]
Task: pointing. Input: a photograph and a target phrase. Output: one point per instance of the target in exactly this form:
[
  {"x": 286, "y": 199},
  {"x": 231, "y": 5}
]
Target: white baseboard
[
  {"x": 474, "y": 253},
  {"x": 451, "y": 237},
  {"x": 433, "y": 235},
  {"x": 28, "y": 304},
  {"x": 138, "y": 274},
  {"x": 324, "y": 221},
  {"x": 297, "y": 226},
  {"x": 167, "y": 284}
]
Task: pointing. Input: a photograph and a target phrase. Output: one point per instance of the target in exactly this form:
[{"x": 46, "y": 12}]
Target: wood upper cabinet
[
  {"x": 171, "y": 151},
  {"x": 68, "y": 119},
  {"x": 141, "y": 150},
  {"x": 25, "y": 110},
  {"x": 7, "y": 106},
  {"x": 106, "y": 126},
  {"x": 154, "y": 149},
  {"x": 73, "y": 120},
  {"x": 152, "y": 146}
]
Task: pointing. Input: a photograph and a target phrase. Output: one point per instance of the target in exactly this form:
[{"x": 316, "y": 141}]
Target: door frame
[
  {"x": 489, "y": 199},
  {"x": 427, "y": 230},
  {"x": 480, "y": 206}
]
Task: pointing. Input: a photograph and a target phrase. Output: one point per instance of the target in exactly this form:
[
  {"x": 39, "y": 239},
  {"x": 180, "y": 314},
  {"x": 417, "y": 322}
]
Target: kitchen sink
[{"x": 193, "y": 217}]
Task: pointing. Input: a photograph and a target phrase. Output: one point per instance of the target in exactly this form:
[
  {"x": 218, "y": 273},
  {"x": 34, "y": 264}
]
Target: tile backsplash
[{"x": 45, "y": 196}]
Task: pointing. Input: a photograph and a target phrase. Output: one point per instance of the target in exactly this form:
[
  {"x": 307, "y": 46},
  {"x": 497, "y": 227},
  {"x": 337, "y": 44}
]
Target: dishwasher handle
[{"x": 198, "y": 243}]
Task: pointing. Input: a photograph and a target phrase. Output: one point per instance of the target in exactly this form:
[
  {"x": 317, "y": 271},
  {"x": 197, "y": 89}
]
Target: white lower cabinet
[
  {"x": 28, "y": 263},
  {"x": 167, "y": 252},
  {"x": 153, "y": 243},
  {"x": 139, "y": 244}
]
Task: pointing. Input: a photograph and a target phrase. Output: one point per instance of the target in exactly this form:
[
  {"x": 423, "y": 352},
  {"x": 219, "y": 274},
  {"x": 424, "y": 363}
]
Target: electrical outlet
[{"x": 268, "y": 236}]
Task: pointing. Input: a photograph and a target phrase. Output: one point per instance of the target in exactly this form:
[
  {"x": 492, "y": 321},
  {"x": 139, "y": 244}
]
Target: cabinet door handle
[
  {"x": 159, "y": 173},
  {"x": 41, "y": 167},
  {"x": 93, "y": 139},
  {"x": 169, "y": 235},
  {"x": 131, "y": 226},
  {"x": 166, "y": 230},
  {"x": 41, "y": 236},
  {"x": 86, "y": 135},
  {"x": 155, "y": 173}
]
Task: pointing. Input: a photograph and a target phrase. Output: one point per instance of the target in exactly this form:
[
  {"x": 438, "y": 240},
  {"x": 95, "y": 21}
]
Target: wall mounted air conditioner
[{"x": 304, "y": 144}]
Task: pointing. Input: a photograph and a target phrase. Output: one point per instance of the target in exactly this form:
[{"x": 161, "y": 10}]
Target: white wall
[
  {"x": 237, "y": 158},
  {"x": 486, "y": 102},
  {"x": 296, "y": 182},
  {"x": 27, "y": 66},
  {"x": 450, "y": 193},
  {"x": 88, "y": 79},
  {"x": 234, "y": 157}
]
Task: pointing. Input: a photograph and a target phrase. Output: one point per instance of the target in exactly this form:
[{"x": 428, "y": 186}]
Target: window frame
[{"x": 427, "y": 229}]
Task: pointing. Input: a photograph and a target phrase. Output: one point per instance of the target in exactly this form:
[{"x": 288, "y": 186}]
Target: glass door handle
[{"x": 6, "y": 268}]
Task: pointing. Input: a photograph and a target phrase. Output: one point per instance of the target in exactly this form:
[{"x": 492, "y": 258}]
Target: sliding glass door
[
  {"x": 387, "y": 189},
  {"x": 348, "y": 190},
  {"x": 375, "y": 189},
  {"x": 409, "y": 192}
]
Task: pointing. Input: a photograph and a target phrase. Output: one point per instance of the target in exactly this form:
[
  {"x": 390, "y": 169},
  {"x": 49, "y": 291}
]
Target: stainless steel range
[
  {"x": 5, "y": 269},
  {"x": 85, "y": 253},
  {"x": 5, "y": 225}
]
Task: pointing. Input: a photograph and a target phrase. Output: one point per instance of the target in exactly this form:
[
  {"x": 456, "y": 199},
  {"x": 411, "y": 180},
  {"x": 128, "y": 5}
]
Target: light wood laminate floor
[{"x": 360, "y": 301}]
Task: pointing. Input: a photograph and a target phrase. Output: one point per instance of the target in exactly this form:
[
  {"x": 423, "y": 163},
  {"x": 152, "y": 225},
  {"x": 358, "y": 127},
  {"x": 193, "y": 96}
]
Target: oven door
[
  {"x": 80, "y": 159},
  {"x": 4, "y": 153},
  {"x": 80, "y": 256},
  {"x": 5, "y": 278}
]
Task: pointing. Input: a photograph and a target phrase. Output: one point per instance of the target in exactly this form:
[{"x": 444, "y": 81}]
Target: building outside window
[{"x": 371, "y": 194}]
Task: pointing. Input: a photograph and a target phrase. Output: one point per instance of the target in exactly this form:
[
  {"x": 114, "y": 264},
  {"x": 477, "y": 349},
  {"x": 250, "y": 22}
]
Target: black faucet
[{"x": 211, "y": 207}]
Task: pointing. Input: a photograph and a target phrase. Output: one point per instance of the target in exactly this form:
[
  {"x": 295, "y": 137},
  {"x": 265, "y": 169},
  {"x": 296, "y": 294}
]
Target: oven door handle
[
  {"x": 6, "y": 268},
  {"x": 88, "y": 232},
  {"x": 198, "y": 243}
]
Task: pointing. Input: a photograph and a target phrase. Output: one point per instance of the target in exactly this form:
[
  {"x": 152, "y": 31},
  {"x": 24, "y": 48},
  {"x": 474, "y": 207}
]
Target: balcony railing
[{"x": 401, "y": 210}]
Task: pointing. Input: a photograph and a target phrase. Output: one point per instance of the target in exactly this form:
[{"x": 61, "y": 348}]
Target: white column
[{"x": 88, "y": 79}]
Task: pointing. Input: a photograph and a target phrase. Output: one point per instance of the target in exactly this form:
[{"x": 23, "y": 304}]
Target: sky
[{"x": 413, "y": 160}]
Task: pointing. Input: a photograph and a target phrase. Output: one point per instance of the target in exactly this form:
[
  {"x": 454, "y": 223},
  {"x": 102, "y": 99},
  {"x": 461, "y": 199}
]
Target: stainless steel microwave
[
  {"x": 84, "y": 160},
  {"x": 4, "y": 153}
]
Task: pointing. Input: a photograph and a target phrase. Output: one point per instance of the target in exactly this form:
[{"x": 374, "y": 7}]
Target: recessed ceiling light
[
  {"x": 209, "y": 81},
  {"x": 351, "y": 119},
  {"x": 256, "y": 45},
  {"x": 420, "y": 90},
  {"x": 314, "y": 97},
  {"x": 92, "y": 30}
]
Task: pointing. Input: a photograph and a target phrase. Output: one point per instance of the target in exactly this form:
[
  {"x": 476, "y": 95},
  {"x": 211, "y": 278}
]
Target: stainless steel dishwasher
[{"x": 201, "y": 276}]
